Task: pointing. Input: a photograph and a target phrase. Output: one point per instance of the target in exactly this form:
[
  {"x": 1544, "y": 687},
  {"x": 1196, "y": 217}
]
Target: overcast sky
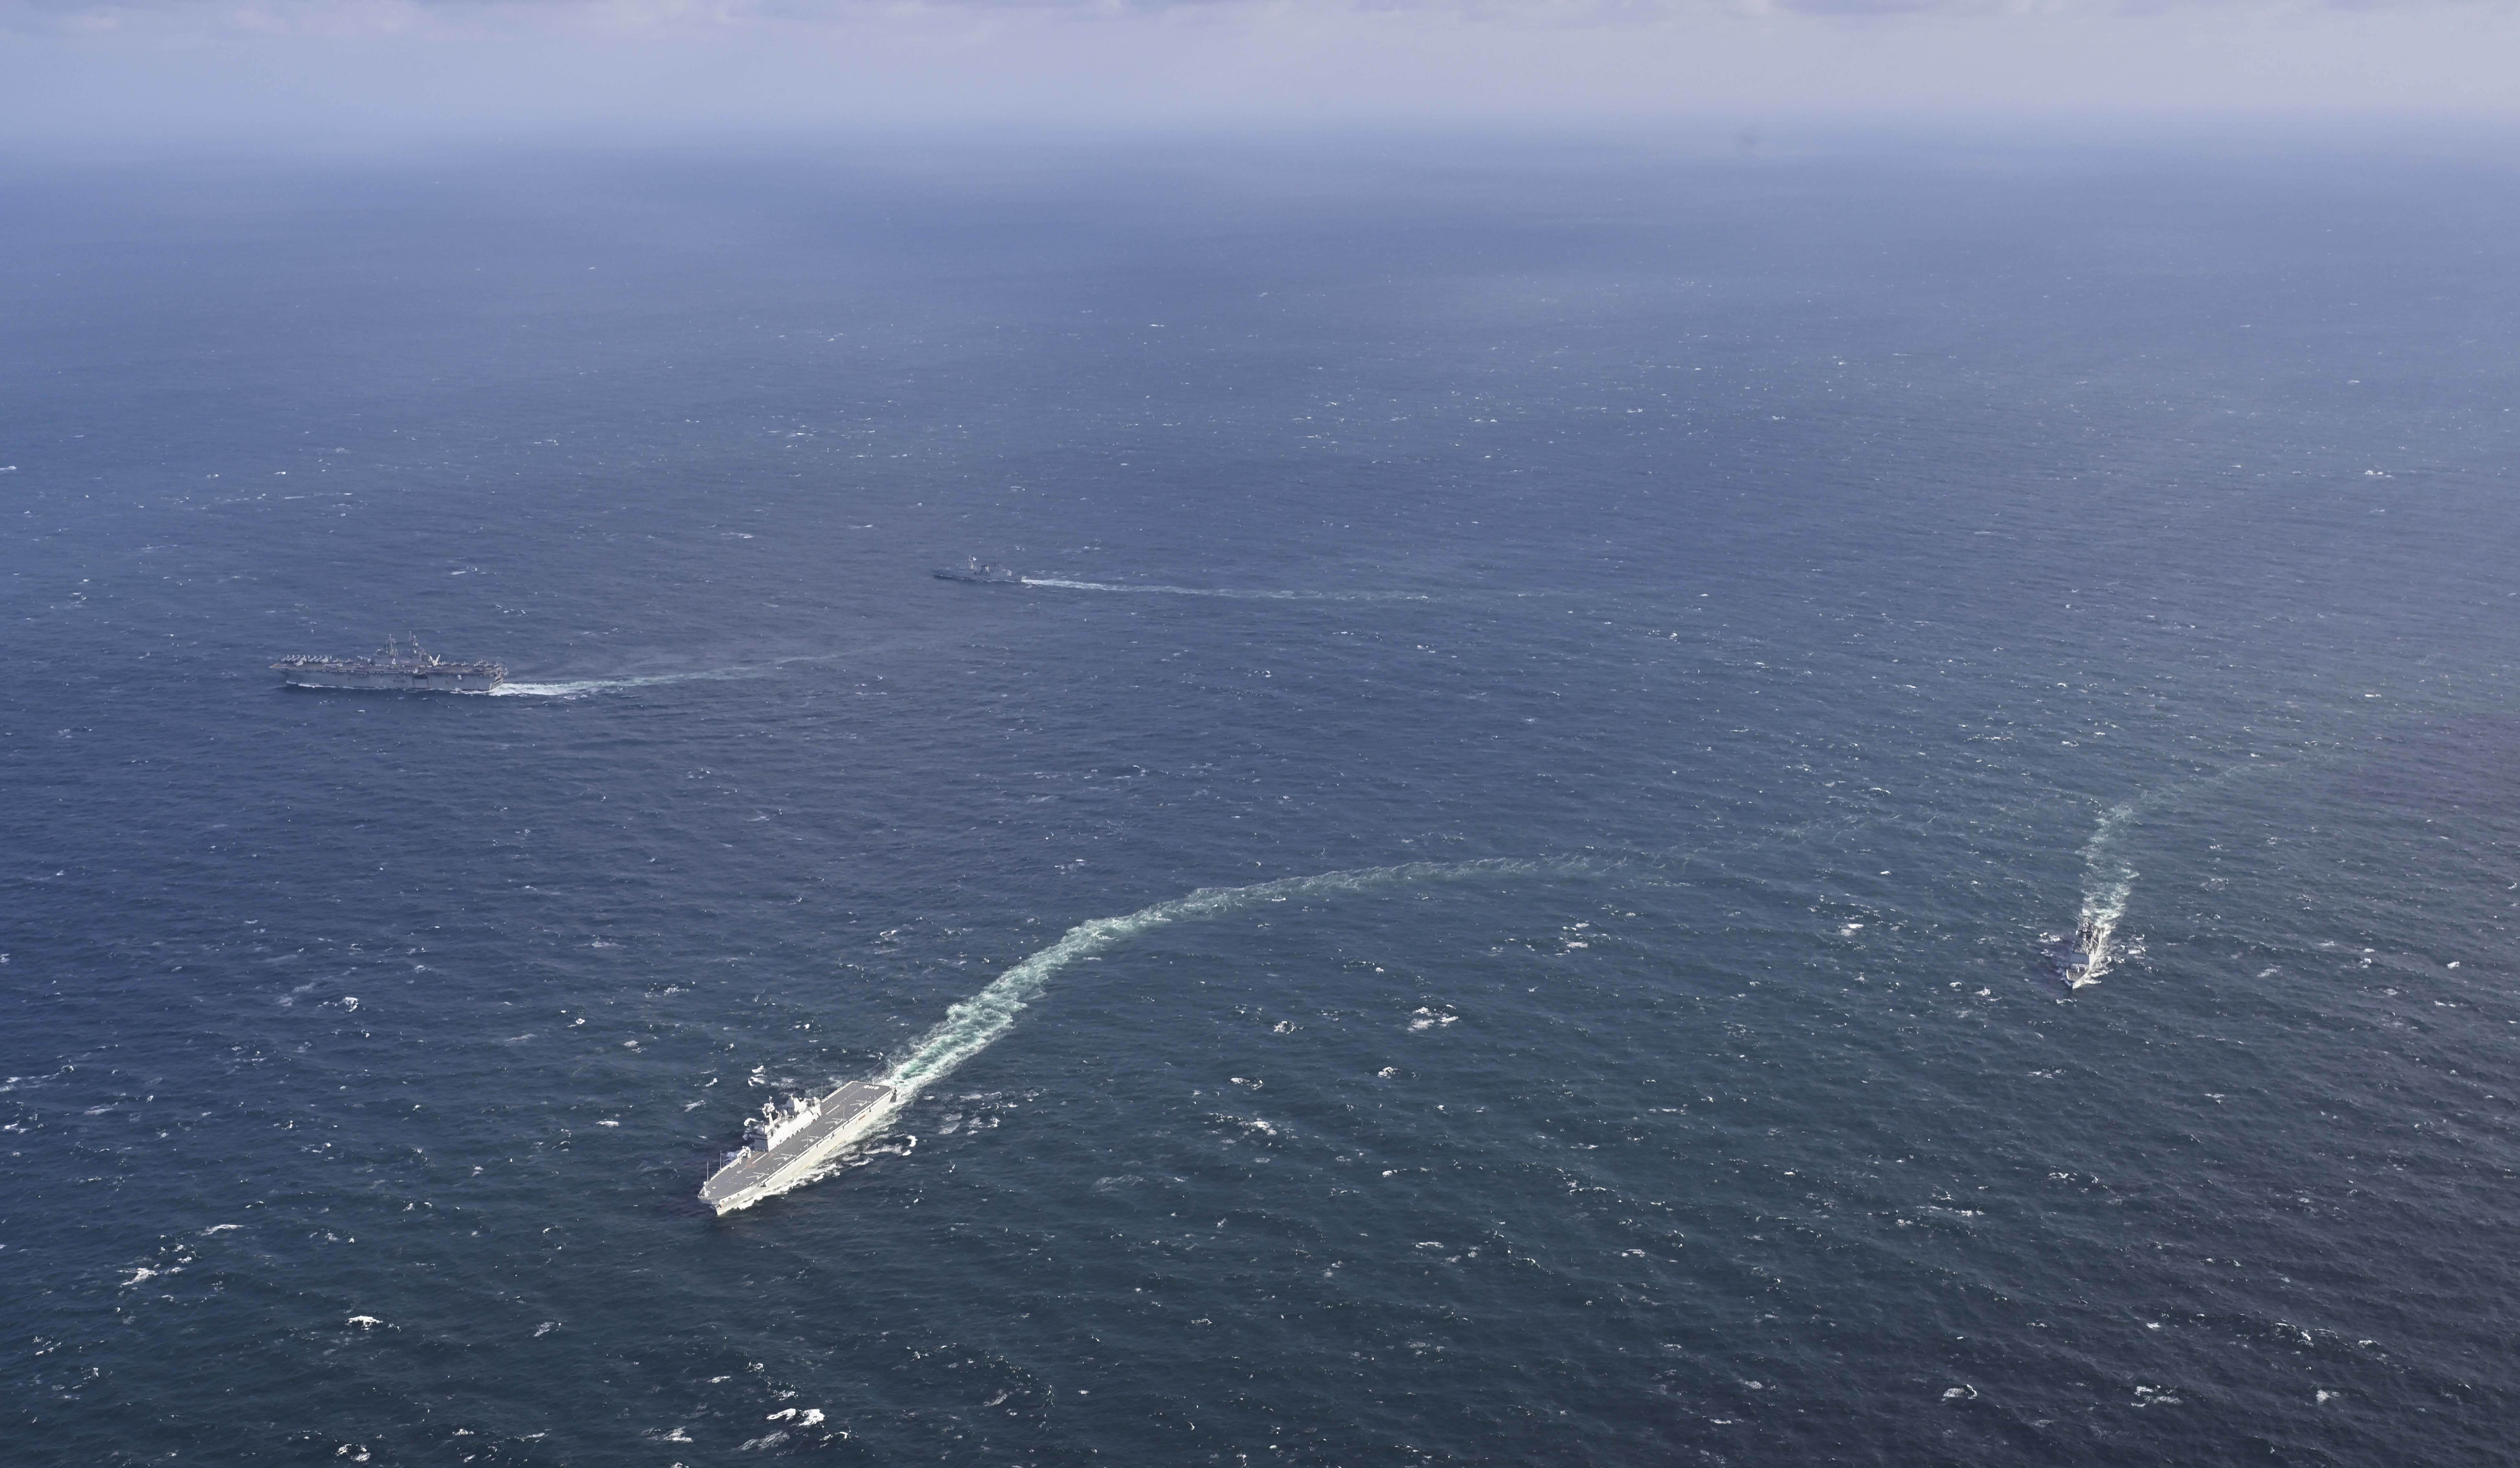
[{"x": 309, "y": 68}]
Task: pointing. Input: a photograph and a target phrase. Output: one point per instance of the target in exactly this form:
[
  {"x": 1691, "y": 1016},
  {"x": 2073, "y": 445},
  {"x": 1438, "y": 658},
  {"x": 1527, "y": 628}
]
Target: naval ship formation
[
  {"x": 791, "y": 1141},
  {"x": 403, "y": 664}
]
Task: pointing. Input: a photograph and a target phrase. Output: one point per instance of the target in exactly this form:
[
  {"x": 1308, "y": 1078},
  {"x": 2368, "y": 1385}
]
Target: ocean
[{"x": 1492, "y": 897}]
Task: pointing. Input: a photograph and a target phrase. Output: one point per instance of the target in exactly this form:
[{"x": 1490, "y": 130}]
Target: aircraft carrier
[
  {"x": 403, "y": 664},
  {"x": 795, "y": 1140}
]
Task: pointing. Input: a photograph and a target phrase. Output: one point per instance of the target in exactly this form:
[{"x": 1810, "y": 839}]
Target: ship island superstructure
[
  {"x": 403, "y": 664},
  {"x": 792, "y": 1141}
]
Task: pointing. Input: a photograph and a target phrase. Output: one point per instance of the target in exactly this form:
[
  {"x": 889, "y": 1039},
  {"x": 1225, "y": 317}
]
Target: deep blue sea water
[{"x": 1638, "y": 654}]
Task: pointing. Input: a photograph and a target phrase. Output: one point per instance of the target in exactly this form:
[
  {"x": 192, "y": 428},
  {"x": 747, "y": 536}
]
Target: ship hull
[
  {"x": 425, "y": 679},
  {"x": 847, "y": 1115}
]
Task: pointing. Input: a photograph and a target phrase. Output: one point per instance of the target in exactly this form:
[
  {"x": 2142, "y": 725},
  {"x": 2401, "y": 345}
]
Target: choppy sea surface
[{"x": 1501, "y": 871}]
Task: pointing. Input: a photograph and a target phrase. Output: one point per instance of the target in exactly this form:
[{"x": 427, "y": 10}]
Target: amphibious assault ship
[
  {"x": 399, "y": 666},
  {"x": 981, "y": 571},
  {"x": 793, "y": 1140}
]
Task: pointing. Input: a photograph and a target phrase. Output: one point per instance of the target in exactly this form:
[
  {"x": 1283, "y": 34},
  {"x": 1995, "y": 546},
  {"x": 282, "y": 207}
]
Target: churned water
[{"x": 1487, "y": 899}]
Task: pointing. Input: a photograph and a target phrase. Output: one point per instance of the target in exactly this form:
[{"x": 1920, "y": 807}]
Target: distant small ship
[
  {"x": 981, "y": 571},
  {"x": 793, "y": 1140},
  {"x": 396, "y": 667}
]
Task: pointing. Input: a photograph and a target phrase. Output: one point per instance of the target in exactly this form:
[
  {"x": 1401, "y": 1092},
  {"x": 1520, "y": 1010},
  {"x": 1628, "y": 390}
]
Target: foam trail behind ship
[
  {"x": 2107, "y": 883},
  {"x": 1205, "y": 591},
  {"x": 977, "y": 1022},
  {"x": 597, "y": 685}
]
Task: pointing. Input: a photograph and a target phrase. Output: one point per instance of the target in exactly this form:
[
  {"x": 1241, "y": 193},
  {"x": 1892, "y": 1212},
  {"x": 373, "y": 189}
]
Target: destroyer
[
  {"x": 793, "y": 1140},
  {"x": 400, "y": 665},
  {"x": 2078, "y": 956},
  {"x": 981, "y": 571}
]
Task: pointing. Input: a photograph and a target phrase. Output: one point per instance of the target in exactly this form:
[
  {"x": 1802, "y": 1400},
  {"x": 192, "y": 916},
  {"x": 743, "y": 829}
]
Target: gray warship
[
  {"x": 403, "y": 664},
  {"x": 980, "y": 571},
  {"x": 791, "y": 1141},
  {"x": 2073, "y": 960}
]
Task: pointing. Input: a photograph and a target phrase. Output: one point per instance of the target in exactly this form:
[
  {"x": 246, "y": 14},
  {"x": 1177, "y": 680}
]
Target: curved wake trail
[
  {"x": 978, "y": 1022},
  {"x": 1241, "y": 596},
  {"x": 2109, "y": 877}
]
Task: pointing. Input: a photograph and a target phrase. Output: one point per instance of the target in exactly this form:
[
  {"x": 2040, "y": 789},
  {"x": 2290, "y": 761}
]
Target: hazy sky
[{"x": 318, "y": 68}]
